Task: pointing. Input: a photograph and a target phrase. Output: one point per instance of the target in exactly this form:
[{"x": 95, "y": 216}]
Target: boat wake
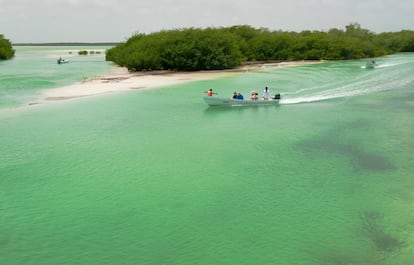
[
  {"x": 351, "y": 90},
  {"x": 393, "y": 75}
]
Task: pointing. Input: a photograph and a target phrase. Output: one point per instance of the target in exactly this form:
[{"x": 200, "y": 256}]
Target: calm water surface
[
  {"x": 35, "y": 68},
  {"x": 157, "y": 177}
]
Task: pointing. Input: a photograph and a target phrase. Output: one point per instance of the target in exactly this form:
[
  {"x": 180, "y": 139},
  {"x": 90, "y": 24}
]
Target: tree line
[
  {"x": 6, "y": 49},
  {"x": 192, "y": 49}
]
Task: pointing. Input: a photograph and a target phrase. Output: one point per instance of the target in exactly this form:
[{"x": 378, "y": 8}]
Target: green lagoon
[{"x": 156, "y": 176}]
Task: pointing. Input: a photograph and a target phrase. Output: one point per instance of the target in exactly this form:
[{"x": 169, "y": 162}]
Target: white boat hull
[{"x": 219, "y": 101}]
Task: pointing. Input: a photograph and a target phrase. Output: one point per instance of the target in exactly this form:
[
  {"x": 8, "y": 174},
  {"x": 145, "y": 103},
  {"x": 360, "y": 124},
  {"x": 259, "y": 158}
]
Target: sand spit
[{"x": 120, "y": 80}]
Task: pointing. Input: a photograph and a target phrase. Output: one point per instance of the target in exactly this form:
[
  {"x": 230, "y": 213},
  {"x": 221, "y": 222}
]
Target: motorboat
[
  {"x": 62, "y": 61},
  {"x": 220, "y": 101},
  {"x": 371, "y": 65}
]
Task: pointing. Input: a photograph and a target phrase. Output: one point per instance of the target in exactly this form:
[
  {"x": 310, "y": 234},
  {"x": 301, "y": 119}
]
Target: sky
[{"x": 41, "y": 21}]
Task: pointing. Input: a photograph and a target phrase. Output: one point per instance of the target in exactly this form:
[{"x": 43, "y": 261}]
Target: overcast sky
[{"x": 37, "y": 21}]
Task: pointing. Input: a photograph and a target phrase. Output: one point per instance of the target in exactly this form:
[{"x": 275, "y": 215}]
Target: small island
[{"x": 194, "y": 49}]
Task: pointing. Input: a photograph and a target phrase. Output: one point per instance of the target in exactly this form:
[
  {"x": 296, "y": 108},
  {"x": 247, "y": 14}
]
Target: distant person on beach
[
  {"x": 210, "y": 92},
  {"x": 266, "y": 93}
]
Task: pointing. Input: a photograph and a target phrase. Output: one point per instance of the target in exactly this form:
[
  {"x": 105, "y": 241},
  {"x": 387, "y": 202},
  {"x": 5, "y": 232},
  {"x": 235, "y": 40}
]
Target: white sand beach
[{"x": 121, "y": 80}]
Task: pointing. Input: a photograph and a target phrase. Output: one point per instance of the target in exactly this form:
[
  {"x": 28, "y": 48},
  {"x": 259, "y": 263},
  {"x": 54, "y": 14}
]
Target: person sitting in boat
[
  {"x": 254, "y": 96},
  {"x": 234, "y": 95},
  {"x": 266, "y": 93},
  {"x": 210, "y": 92},
  {"x": 240, "y": 96}
]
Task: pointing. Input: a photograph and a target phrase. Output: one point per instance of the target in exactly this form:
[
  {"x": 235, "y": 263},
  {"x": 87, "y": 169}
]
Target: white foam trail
[
  {"x": 350, "y": 90},
  {"x": 333, "y": 81}
]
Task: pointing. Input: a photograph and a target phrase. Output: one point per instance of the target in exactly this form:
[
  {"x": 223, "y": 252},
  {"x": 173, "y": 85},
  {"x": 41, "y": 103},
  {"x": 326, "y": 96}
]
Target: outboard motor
[{"x": 277, "y": 96}]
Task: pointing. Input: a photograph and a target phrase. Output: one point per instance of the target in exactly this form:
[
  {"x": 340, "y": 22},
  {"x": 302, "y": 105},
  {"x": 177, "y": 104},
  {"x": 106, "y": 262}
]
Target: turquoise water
[
  {"x": 157, "y": 177},
  {"x": 35, "y": 68}
]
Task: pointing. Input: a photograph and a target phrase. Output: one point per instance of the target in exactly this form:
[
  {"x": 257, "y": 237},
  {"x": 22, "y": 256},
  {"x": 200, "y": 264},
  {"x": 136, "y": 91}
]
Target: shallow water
[
  {"x": 157, "y": 177},
  {"x": 35, "y": 68}
]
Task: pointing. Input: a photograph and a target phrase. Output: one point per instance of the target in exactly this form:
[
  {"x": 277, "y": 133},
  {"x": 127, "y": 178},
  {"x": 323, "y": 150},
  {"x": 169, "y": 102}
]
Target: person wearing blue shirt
[{"x": 239, "y": 96}]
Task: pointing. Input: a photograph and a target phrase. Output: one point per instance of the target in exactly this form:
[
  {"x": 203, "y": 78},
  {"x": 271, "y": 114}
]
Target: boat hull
[{"x": 219, "y": 101}]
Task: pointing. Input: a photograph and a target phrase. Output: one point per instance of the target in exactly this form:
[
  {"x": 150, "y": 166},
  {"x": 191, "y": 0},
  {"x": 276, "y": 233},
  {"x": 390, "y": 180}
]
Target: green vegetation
[
  {"x": 189, "y": 49},
  {"x": 224, "y": 48},
  {"x": 85, "y": 52},
  {"x": 6, "y": 49}
]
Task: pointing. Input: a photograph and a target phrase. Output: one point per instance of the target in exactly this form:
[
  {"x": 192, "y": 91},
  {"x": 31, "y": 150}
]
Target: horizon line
[{"x": 64, "y": 43}]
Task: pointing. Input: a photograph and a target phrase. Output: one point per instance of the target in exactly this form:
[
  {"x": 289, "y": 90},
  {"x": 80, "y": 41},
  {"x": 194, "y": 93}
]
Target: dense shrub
[
  {"x": 223, "y": 48},
  {"x": 189, "y": 49},
  {"x": 6, "y": 49}
]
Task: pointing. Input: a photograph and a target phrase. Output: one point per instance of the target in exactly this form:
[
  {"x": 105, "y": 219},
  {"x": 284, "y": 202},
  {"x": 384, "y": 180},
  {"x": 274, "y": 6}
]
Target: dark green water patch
[
  {"x": 361, "y": 159},
  {"x": 340, "y": 257},
  {"x": 382, "y": 240},
  {"x": 347, "y": 140},
  {"x": 4, "y": 240}
]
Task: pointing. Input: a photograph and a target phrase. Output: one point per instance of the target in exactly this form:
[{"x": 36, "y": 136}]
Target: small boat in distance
[
  {"x": 371, "y": 65},
  {"x": 62, "y": 61},
  {"x": 220, "y": 101}
]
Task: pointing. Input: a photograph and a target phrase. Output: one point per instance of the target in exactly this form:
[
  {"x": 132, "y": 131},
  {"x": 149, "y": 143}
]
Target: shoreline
[{"x": 121, "y": 80}]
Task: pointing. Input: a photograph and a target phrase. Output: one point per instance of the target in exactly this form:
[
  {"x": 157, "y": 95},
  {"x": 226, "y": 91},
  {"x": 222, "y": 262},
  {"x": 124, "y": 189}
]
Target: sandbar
[{"x": 120, "y": 80}]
